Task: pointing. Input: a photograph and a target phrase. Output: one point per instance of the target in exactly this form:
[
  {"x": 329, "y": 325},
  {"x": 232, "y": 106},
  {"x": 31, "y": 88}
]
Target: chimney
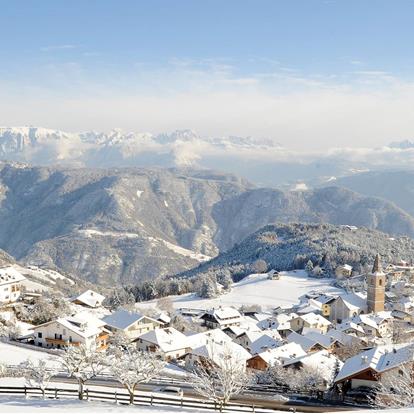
[{"x": 364, "y": 359}]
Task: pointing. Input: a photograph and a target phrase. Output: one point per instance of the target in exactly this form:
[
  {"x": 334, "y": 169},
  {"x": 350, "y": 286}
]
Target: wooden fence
[{"x": 123, "y": 398}]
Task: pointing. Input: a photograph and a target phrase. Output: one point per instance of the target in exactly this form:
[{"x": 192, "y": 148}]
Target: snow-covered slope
[{"x": 257, "y": 289}]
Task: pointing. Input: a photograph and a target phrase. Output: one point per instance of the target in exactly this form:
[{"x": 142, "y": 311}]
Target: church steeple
[
  {"x": 376, "y": 281},
  {"x": 377, "y": 268}
]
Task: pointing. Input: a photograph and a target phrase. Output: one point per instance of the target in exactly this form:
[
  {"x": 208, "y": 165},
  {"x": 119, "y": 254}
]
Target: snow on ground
[
  {"x": 37, "y": 405},
  {"x": 14, "y": 355},
  {"x": 257, "y": 289}
]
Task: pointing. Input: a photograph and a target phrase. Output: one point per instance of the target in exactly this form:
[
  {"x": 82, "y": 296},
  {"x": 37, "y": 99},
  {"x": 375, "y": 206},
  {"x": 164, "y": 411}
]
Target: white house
[
  {"x": 310, "y": 320},
  {"x": 222, "y": 317},
  {"x": 275, "y": 356},
  {"x": 10, "y": 285},
  {"x": 343, "y": 271},
  {"x": 213, "y": 353},
  {"x": 130, "y": 323},
  {"x": 168, "y": 343},
  {"x": 89, "y": 299},
  {"x": 256, "y": 342},
  {"x": 71, "y": 331}
]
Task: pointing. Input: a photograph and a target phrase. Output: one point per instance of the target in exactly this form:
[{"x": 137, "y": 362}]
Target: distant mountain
[
  {"x": 112, "y": 226},
  {"x": 394, "y": 186},
  {"x": 269, "y": 163},
  {"x": 290, "y": 246}
]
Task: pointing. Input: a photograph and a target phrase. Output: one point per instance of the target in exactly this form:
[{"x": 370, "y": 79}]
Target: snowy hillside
[{"x": 257, "y": 289}]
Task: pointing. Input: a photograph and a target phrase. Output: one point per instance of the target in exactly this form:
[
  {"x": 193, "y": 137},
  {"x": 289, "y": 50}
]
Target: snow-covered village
[
  {"x": 206, "y": 206},
  {"x": 277, "y": 340}
]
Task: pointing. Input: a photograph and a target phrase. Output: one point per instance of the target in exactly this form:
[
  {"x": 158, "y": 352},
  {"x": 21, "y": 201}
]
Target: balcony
[
  {"x": 63, "y": 342},
  {"x": 103, "y": 336}
]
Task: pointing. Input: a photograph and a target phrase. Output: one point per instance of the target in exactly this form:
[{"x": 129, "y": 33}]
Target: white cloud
[{"x": 361, "y": 108}]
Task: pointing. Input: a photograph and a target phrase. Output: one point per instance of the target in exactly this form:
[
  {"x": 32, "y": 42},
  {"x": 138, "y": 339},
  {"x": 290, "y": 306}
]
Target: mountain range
[
  {"x": 269, "y": 163},
  {"x": 122, "y": 225}
]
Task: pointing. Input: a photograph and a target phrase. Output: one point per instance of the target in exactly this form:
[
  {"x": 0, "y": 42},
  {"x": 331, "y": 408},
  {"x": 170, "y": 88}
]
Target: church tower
[{"x": 376, "y": 287}]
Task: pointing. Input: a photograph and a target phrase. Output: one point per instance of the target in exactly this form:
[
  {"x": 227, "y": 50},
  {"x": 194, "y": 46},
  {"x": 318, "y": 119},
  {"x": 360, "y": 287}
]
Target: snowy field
[
  {"x": 14, "y": 355},
  {"x": 21, "y": 405},
  {"x": 256, "y": 289}
]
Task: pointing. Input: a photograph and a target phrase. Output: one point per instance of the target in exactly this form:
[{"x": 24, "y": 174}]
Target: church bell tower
[{"x": 376, "y": 287}]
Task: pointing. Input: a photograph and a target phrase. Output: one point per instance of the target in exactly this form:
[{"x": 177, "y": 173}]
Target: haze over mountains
[
  {"x": 269, "y": 163},
  {"x": 124, "y": 225}
]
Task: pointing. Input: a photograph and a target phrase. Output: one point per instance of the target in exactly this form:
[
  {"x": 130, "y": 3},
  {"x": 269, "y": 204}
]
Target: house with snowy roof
[
  {"x": 166, "y": 342},
  {"x": 368, "y": 367},
  {"x": 275, "y": 356},
  {"x": 89, "y": 299},
  {"x": 10, "y": 285},
  {"x": 131, "y": 324},
  {"x": 72, "y": 331},
  {"x": 325, "y": 363},
  {"x": 213, "y": 353},
  {"x": 222, "y": 317},
  {"x": 310, "y": 320},
  {"x": 256, "y": 342},
  {"x": 343, "y": 271},
  {"x": 378, "y": 324}
]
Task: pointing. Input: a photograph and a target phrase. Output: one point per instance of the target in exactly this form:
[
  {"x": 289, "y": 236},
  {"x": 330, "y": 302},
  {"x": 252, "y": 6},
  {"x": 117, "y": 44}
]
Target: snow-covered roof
[
  {"x": 10, "y": 275},
  {"x": 282, "y": 353},
  {"x": 374, "y": 320},
  {"x": 90, "y": 298},
  {"x": 260, "y": 341},
  {"x": 224, "y": 313},
  {"x": 313, "y": 318},
  {"x": 167, "y": 339},
  {"x": 322, "y": 361},
  {"x": 203, "y": 338},
  {"x": 79, "y": 324},
  {"x": 355, "y": 301},
  {"x": 341, "y": 337},
  {"x": 216, "y": 350},
  {"x": 121, "y": 319},
  {"x": 379, "y": 359},
  {"x": 344, "y": 326},
  {"x": 304, "y": 342}
]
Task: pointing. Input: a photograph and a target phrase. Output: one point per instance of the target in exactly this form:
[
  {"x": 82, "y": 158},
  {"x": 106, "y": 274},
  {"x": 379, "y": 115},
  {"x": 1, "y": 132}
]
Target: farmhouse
[
  {"x": 367, "y": 368},
  {"x": 222, "y": 317},
  {"x": 71, "y": 331},
  {"x": 129, "y": 323},
  {"x": 10, "y": 285},
  {"x": 89, "y": 299},
  {"x": 168, "y": 343}
]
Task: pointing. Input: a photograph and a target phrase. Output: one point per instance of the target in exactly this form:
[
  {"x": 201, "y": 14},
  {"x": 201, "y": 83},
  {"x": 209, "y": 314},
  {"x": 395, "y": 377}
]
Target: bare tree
[
  {"x": 395, "y": 389},
  {"x": 221, "y": 380},
  {"x": 38, "y": 375},
  {"x": 348, "y": 350},
  {"x": 83, "y": 363},
  {"x": 133, "y": 367}
]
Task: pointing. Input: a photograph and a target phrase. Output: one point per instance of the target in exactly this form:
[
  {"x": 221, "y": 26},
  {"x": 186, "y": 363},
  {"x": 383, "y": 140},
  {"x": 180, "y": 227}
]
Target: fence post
[
  {"x": 116, "y": 397},
  {"x": 87, "y": 394},
  {"x": 56, "y": 394},
  {"x": 152, "y": 398},
  {"x": 253, "y": 409},
  {"x": 182, "y": 402},
  {"x": 25, "y": 392}
]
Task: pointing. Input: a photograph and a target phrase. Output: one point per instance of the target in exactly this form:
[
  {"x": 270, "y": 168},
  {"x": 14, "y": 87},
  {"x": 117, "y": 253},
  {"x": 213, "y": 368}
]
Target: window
[
  {"x": 39, "y": 335},
  {"x": 380, "y": 282}
]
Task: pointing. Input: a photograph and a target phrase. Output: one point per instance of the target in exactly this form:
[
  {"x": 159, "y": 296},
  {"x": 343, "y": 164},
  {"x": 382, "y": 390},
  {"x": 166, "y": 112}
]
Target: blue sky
[{"x": 301, "y": 72}]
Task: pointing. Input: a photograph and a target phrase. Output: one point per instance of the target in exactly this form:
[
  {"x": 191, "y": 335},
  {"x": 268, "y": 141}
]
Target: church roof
[{"x": 377, "y": 268}]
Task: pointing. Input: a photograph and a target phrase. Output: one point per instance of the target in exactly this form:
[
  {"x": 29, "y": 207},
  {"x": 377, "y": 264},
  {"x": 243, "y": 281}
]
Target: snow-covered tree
[
  {"x": 133, "y": 367},
  {"x": 38, "y": 374},
  {"x": 307, "y": 379},
  {"x": 222, "y": 380},
  {"x": 395, "y": 389},
  {"x": 83, "y": 363},
  {"x": 309, "y": 267}
]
